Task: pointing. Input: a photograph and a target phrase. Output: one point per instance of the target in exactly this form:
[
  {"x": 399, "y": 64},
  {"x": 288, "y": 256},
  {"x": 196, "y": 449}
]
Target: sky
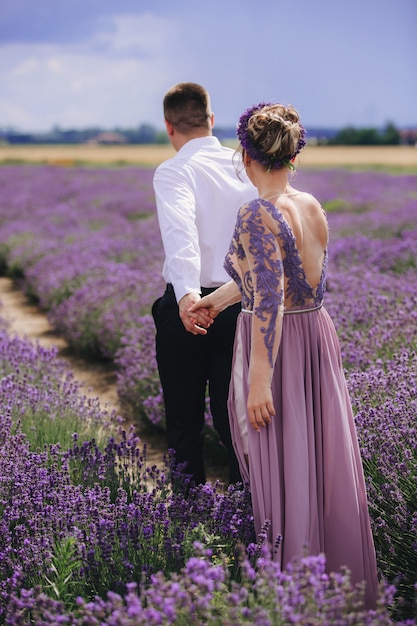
[{"x": 108, "y": 63}]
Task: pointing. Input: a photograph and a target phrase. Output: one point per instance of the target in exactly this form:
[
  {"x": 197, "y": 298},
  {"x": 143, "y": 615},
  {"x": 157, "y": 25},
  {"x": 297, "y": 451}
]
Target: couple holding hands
[{"x": 245, "y": 267}]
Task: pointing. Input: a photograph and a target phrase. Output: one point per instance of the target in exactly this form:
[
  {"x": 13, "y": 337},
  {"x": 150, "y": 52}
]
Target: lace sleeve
[{"x": 265, "y": 273}]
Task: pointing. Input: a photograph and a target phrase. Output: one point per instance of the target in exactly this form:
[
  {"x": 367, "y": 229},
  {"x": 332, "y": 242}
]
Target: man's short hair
[{"x": 187, "y": 107}]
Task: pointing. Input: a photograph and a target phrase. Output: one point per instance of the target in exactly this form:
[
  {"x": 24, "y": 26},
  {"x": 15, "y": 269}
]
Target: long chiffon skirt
[{"x": 305, "y": 471}]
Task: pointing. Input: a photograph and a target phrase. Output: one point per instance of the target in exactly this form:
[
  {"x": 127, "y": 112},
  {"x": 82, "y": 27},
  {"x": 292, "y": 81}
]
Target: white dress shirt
[{"x": 198, "y": 194}]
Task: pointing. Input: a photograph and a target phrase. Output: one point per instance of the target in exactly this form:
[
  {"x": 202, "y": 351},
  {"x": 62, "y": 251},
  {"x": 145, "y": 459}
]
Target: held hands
[
  {"x": 203, "y": 313},
  {"x": 205, "y": 310},
  {"x": 199, "y": 320},
  {"x": 260, "y": 406},
  {"x": 210, "y": 310}
]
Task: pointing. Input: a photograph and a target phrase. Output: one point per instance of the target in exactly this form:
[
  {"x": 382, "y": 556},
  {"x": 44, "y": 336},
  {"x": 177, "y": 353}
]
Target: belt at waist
[{"x": 292, "y": 311}]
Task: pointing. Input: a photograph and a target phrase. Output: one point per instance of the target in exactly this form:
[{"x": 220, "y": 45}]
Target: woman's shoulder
[
  {"x": 312, "y": 217},
  {"x": 254, "y": 213},
  {"x": 250, "y": 207},
  {"x": 304, "y": 197},
  {"x": 308, "y": 204}
]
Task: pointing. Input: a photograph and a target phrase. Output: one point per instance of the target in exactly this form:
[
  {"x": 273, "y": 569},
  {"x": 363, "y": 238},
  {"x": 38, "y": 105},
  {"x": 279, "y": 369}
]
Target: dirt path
[
  {"x": 27, "y": 321},
  {"x": 97, "y": 379}
]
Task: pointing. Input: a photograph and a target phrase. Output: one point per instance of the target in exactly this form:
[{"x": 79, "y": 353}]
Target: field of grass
[{"x": 379, "y": 157}]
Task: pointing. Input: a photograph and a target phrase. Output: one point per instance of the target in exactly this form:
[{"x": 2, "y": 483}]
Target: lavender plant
[
  {"x": 202, "y": 593},
  {"x": 385, "y": 403},
  {"x": 85, "y": 245},
  {"x": 88, "y": 519},
  {"x": 42, "y": 396}
]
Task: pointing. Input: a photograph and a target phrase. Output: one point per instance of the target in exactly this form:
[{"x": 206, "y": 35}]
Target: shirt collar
[{"x": 193, "y": 145}]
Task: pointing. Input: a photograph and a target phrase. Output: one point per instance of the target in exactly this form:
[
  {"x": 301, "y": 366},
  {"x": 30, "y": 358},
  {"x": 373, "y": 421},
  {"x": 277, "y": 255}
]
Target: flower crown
[{"x": 267, "y": 160}]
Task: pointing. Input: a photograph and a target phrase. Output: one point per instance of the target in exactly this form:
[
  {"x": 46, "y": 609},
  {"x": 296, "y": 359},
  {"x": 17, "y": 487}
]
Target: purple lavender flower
[{"x": 78, "y": 239}]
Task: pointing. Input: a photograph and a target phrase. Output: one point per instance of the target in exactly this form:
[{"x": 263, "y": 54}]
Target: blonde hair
[
  {"x": 275, "y": 130},
  {"x": 271, "y": 134}
]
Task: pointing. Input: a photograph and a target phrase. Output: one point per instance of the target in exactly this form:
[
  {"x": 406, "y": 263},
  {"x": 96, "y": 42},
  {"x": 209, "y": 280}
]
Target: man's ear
[
  {"x": 212, "y": 119},
  {"x": 169, "y": 127}
]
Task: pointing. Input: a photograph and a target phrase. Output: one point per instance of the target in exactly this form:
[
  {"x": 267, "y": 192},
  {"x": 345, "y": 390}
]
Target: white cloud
[
  {"x": 117, "y": 75},
  {"x": 131, "y": 34},
  {"x": 54, "y": 65},
  {"x": 27, "y": 66},
  {"x": 117, "y": 78}
]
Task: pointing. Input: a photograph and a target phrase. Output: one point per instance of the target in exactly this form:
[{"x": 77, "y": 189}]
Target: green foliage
[
  {"x": 336, "y": 205},
  {"x": 352, "y": 136},
  {"x": 41, "y": 430},
  {"x": 3, "y": 259},
  {"x": 401, "y": 266},
  {"x": 61, "y": 581}
]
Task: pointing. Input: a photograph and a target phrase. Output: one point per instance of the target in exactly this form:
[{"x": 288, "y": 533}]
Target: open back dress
[{"x": 304, "y": 468}]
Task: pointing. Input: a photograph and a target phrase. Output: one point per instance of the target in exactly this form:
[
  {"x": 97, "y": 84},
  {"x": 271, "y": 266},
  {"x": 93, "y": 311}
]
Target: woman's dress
[{"x": 304, "y": 468}]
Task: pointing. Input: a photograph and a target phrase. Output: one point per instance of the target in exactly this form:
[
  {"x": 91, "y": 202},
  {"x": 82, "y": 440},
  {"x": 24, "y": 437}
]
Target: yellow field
[{"x": 151, "y": 155}]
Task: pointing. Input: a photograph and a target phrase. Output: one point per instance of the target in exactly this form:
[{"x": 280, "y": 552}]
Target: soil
[{"x": 97, "y": 378}]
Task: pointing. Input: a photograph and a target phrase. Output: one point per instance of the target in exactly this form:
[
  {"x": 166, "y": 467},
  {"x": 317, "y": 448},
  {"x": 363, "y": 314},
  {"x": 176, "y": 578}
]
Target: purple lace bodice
[{"x": 277, "y": 271}]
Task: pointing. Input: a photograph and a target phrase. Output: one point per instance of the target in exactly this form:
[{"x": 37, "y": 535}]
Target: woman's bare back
[{"x": 307, "y": 220}]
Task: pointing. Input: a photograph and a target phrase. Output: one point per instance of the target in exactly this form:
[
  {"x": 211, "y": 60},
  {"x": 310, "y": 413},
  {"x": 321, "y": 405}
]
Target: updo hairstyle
[
  {"x": 271, "y": 134},
  {"x": 275, "y": 130}
]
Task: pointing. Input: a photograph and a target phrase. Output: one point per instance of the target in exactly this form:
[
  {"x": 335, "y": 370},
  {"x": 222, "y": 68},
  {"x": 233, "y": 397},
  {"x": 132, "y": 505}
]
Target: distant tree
[
  {"x": 145, "y": 133},
  {"x": 15, "y": 137},
  {"x": 368, "y": 137},
  {"x": 351, "y": 136},
  {"x": 161, "y": 137},
  {"x": 391, "y": 135}
]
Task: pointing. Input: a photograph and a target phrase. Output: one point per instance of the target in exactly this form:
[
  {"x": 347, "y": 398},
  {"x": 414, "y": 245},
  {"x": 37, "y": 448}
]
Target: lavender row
[
  {"x": 98, "y": 272},
  {"x": 103, "y": 509},
  {"x": 96, "y": 536},
  {"x": 87, "y": 244}
]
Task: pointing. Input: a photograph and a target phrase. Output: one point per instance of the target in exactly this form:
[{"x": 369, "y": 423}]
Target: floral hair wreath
[{"x": 268, "y": 161}]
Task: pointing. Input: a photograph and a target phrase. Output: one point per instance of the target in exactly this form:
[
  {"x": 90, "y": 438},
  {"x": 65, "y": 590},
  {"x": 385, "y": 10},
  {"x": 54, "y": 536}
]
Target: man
[{"x": 198, "y": 194}]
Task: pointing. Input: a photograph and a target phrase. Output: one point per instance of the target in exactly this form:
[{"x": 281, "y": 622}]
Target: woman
[{"x": 290, "y": 413}]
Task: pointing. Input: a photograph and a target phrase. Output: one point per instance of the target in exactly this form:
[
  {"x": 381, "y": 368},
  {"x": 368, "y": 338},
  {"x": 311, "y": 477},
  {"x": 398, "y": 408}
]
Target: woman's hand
[
  {"x": 195, "y": 323},
  {"x": 204, "y": 311},
  {"x": 214, "y": 303},
  {"x": 260, "y": 406}
]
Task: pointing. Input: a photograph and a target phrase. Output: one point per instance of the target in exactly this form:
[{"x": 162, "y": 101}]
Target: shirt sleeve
[
  {"x": 176, "y": 207},
  {"x": 266, "y": 275}
]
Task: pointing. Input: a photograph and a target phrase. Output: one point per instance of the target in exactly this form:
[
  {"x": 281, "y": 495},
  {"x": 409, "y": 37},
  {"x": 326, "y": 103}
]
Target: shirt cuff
[{"x": 181, "y": 291}]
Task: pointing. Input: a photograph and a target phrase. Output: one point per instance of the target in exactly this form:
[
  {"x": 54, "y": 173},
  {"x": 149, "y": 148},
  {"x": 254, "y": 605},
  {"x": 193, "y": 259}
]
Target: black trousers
[{"x": 187, "y": 363}]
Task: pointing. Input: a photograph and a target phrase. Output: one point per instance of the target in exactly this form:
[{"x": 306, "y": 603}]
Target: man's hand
[{"x": 198, "y": 322}]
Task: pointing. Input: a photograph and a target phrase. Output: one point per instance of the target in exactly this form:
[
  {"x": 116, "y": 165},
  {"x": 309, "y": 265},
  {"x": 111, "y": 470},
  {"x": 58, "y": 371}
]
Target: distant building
[
  {"x": 109, "y": 138},
  {"x": 408, "y": 136}
]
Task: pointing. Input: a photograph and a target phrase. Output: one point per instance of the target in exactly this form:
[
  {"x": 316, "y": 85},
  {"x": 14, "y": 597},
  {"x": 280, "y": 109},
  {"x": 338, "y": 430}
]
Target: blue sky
[{"x": 78, "y": 63}]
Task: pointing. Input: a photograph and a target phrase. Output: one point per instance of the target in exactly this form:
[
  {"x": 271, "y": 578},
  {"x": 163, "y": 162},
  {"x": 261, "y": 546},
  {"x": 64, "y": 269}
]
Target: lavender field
[{"x": 90, "y": 533}]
